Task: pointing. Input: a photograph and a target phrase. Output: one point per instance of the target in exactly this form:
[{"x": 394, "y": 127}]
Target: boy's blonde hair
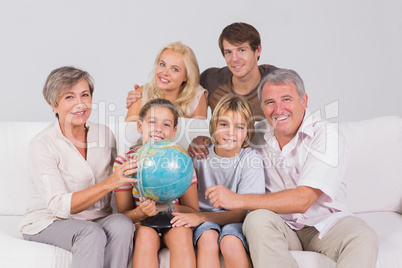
[
  {"x": 236, "y": 104},
  {"x": 187, "y": 89}
]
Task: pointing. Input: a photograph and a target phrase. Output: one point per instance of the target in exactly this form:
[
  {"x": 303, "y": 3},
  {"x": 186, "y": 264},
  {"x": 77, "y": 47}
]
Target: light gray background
[{"x": 349, "y": 52}]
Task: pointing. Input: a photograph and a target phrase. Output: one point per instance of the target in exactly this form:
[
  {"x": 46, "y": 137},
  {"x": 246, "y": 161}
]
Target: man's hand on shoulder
[{"x": 198, "y": 147}]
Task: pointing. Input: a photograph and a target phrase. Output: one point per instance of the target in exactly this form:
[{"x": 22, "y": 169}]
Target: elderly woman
[{"x": 71, "y": 165}]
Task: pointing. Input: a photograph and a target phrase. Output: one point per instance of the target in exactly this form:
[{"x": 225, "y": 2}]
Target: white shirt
[
  {"x": 199, "y": 92},
  {"x": 315, "y": 157},
  {"x": 57, "y": 170}
]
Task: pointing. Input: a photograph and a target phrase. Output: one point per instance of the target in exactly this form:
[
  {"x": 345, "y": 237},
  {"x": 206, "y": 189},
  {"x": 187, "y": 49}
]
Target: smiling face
[
  {"x": 74, "y": 106},
  {"x": 283, "y": 109},
  {"x": 240, "y": 59},
  {"x": 158, "y": 123},
  {"x": 171, "y": 71},
  {"x": 230, "y": 133}
]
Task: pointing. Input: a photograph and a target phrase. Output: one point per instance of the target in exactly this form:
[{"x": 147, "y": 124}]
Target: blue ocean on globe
[{"x": 165, "y": 171}]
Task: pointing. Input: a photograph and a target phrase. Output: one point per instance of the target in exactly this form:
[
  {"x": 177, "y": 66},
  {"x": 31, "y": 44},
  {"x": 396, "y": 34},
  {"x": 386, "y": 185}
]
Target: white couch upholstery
[{"x": 374, "y": 181}]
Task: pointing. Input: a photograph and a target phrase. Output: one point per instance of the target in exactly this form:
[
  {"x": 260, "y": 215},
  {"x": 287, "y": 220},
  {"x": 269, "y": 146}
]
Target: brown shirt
[{"x": 218, "y": 82}]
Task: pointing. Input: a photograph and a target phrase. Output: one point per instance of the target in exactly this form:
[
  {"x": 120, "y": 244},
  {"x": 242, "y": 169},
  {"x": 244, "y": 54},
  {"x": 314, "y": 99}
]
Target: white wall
[{"x": 347, "y": 51}]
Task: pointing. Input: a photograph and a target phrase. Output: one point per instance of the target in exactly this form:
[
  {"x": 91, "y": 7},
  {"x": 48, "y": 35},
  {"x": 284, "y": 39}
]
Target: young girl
[
  {"x": 157, "y": 119},
  {"x": 234, "y": 165},
  {"x": 175, "y": 77}
]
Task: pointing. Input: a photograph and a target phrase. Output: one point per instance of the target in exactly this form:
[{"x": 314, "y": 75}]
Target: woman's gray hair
[
  {"x": 60, "y": 80},
  {"x": 282, "y": 76}
]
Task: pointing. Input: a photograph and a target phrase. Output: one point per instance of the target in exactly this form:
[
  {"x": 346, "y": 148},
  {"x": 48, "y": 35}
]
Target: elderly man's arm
[{"x": 288, "y": 201}]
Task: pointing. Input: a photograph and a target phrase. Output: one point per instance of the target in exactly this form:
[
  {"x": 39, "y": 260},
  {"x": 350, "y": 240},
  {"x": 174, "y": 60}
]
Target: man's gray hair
[{"x": 282, "y": 76}]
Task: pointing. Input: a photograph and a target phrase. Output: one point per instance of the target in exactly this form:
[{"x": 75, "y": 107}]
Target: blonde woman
[{"x": 175, "y": 77}]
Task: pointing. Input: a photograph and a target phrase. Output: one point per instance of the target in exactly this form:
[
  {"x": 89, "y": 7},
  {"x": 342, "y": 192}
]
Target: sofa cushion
[
  {"x": 15, "y": 188},
  {"x": 16, "y": 252},
  {"x": 374, "y": 174},
  {"x": 187, "y": 129},
  {"x": 388, "y": 226}
]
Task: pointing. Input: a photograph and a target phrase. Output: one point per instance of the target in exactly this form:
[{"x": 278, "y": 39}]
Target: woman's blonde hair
[
  {"x": 187, "y": 89},
  {"x": 236, "y": 104}
]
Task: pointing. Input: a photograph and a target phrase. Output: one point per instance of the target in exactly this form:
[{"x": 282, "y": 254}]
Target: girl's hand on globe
[
  {"x": 148, "y": 207},
  {"x": 122, "y": 175},
  {"x": 185, "y": 219}
]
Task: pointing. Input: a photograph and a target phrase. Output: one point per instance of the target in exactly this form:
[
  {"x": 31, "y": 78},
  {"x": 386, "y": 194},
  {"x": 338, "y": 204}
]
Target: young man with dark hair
[{"x": 240, "y": 44}]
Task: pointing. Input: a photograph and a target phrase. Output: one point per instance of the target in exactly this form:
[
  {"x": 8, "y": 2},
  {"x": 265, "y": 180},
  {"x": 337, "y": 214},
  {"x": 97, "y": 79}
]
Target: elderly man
[{"x": 304, "y": 205}]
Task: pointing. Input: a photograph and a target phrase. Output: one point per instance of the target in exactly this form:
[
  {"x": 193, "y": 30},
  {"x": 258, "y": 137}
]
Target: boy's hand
[{"x": 222, "y": 197}]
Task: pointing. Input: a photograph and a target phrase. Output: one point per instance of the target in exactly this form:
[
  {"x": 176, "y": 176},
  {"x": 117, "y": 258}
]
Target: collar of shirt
[
  {"x": 60, "y": 133},
  {"x": 305, "y": 129}
]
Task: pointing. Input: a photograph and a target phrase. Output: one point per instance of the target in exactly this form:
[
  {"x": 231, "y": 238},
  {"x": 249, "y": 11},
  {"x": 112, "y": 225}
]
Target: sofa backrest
[
  {"x": 188, "y": 128},
  {"x": 374, "y": 174},
  {"x": 15, "y": 186}
]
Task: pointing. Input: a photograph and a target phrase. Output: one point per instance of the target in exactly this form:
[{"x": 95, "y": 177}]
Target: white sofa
[{"x": 374, "y": 181}]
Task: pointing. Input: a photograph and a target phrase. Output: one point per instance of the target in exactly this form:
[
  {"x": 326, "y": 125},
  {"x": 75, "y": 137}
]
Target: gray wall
[{"x": 347, "y": 51}]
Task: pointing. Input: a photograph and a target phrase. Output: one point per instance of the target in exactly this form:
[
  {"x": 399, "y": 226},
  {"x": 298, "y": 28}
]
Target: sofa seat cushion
[
  {"x": 16, "y": 252},
  {"x": 388, "y": 226}
]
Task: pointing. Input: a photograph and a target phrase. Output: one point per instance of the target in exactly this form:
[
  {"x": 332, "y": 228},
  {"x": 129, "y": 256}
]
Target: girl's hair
[
  {"x": 187, "y": 89},
  {"x": 157, "y": 103},
  {"x": 160, "y": 103},
  {"x": 236, "y": 104}
]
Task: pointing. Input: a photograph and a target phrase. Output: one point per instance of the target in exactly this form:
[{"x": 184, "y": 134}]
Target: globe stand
[{"x": 160, "y": 220}]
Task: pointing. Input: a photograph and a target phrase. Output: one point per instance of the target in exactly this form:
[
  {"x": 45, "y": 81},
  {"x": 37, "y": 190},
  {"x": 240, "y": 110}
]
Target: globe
[{"x": 165, "y": 171}]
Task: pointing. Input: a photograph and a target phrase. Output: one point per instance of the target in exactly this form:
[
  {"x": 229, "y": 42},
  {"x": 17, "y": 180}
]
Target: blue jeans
[{"x": 228, "y": 229}]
